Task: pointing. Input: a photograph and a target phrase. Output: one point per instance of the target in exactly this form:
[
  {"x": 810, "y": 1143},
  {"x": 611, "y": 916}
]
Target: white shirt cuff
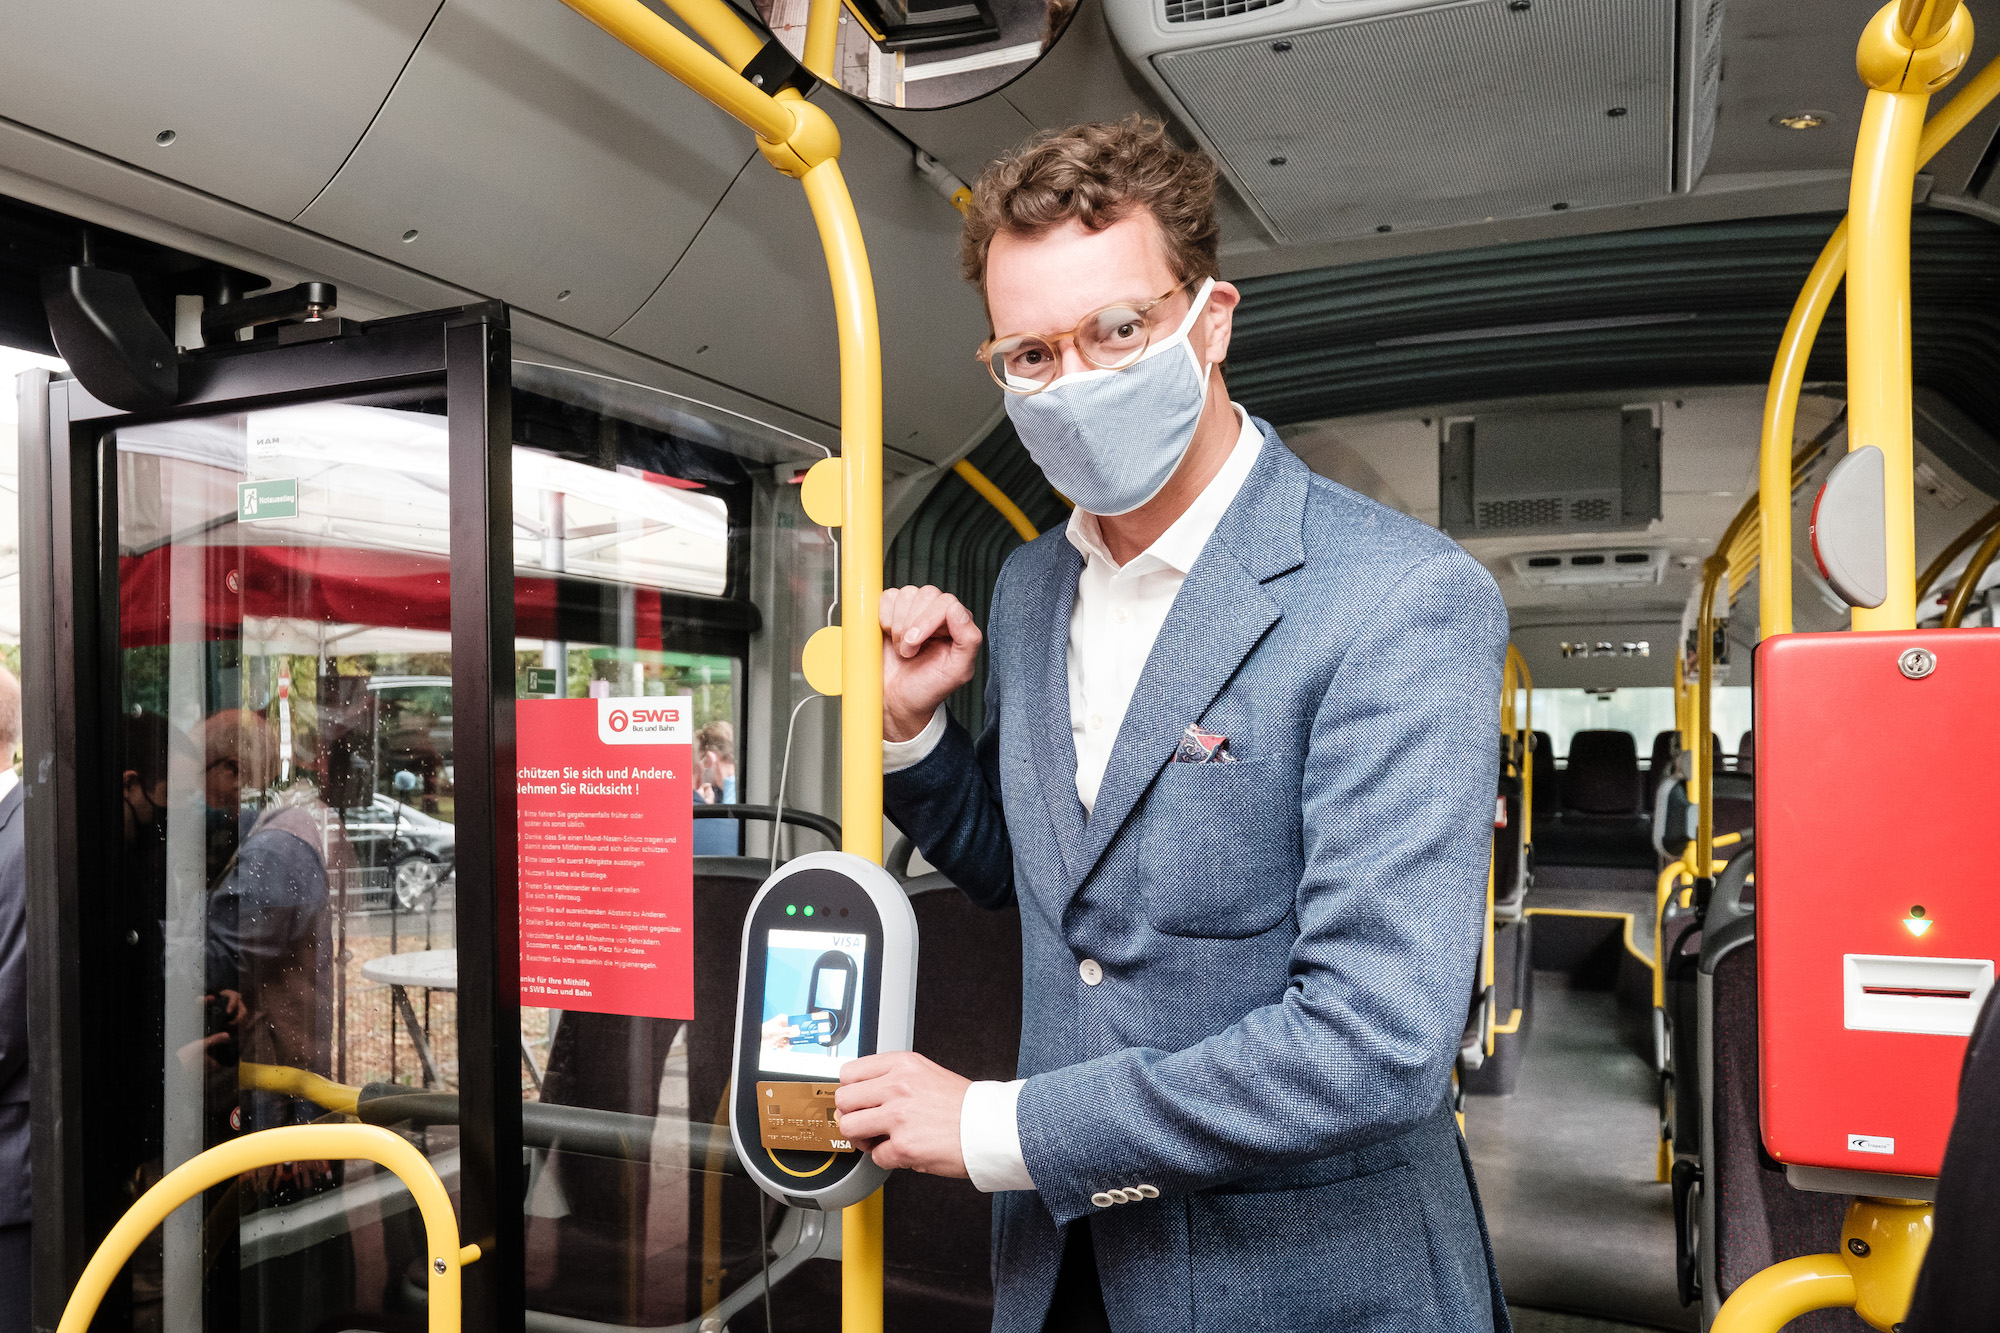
[
  {"x": 899, "y": 755},
  {"x": 989, "y": 1137}
]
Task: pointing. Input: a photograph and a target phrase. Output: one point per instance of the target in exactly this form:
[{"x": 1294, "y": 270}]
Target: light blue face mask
[{"x": 1110, "y": 439}]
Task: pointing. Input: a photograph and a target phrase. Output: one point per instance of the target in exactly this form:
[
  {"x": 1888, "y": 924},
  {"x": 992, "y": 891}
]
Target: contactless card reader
[{"x": 828, "y": 973}]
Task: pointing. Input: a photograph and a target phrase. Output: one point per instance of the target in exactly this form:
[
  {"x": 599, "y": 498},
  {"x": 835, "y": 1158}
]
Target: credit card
[{"x": 800, "y": 1117}]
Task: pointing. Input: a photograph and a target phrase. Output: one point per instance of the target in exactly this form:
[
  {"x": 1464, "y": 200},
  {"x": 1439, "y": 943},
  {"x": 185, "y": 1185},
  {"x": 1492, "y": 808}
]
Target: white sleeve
[
  {"x": 899, "y": 755},
  {"x": 989, "y": 1137}
]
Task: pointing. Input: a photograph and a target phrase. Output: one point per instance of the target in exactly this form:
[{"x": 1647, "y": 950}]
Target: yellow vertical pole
[
  {"x": 800, "y": 140},
  {"x": 1781, "y": 400},
  {"x": 1908, "y": 51},
  {"x": 861, "y": 638},
  {"x": 822, "y": 39},
  {"x": 1879, "y": 402}
]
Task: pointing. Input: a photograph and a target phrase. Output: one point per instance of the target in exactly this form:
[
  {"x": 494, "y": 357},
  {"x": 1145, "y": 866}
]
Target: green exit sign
[
  {"x": 271, "y": 497},
  {"x": 542, "y": 680}
]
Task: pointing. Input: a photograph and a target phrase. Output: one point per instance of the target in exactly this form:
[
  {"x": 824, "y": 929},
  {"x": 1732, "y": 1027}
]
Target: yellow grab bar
[
  {"x": 800, "y": 140},
  {"x": 822, "y": 38},
  {"x": 1781, "y": 398},
  {"x": 1883, "y": 1242},
  {"x": 269, "y": 1147},
  {"x": 996, "y": 497},
  {"x": 299, "y": 1083}
]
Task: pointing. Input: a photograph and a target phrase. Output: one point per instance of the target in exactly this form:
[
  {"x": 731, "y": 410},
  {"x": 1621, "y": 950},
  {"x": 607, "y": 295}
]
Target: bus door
[{"x": 374, "y": 683}]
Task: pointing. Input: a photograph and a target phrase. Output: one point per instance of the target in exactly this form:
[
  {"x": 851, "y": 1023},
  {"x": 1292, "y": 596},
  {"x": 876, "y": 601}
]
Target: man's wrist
[
  {"x": 899, "y": 727},
  {"x": 898, "y": 755}
]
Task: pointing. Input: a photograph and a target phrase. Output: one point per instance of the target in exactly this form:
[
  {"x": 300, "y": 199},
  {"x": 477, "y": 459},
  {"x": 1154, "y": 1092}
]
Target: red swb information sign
[{"x": 607, "y": 855}]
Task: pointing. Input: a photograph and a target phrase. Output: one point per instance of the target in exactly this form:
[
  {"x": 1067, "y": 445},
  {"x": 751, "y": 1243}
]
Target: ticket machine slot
[{"x": 1891, "y": 993}]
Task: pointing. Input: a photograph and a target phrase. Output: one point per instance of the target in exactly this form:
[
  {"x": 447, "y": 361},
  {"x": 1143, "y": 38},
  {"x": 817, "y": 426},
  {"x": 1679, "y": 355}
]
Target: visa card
[{"x": 800, "y": 1117}]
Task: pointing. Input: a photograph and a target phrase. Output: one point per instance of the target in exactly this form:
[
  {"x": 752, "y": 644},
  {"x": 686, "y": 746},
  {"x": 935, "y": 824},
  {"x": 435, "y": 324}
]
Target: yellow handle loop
[{"x": 269, "y": 1147}]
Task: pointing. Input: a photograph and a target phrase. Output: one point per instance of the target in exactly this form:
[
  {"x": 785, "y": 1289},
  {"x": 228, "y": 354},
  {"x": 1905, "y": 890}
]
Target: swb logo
[{"x": 644, "y": 722}]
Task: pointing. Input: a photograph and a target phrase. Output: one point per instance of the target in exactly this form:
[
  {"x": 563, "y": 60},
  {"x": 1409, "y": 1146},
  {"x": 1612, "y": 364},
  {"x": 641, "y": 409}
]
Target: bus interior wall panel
[
  {"x": 256, "y": 105},
  {"x": 508, "y": 118},
  {"x": 759, "y": 252}
]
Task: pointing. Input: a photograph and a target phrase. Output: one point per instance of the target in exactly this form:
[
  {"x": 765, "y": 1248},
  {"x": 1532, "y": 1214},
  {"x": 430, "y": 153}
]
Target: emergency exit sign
[
  {"x": 542, "y": 681},
  {"x": 267, "y": 498}
]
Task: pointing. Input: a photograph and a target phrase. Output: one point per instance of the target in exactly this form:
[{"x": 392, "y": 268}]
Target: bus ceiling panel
[
  {"x": 255, "y": 103},
  {"x": 749, "y": 305},
  {"x": 1791, "y": 101},
  {"x": 1350, "y": 120},
  {"x": 528, "y": 155}
]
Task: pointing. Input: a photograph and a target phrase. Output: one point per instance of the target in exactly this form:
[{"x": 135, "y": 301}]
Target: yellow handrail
[
  {"x": 996, "y": 497},
  {"x": 1953, "y": 550},
  {"x": 299, "y": 1083},
  {"x": 1883, "y": 1242},
  {"x": 1968, "y": 582},
  {"x": 269, "y": 1147},
  {"x": 822, "y": 39},
  {"x": 1680, "y": 871},
  {"x": 800, "y": 140},
  {"x": 1781, "y": 399}
]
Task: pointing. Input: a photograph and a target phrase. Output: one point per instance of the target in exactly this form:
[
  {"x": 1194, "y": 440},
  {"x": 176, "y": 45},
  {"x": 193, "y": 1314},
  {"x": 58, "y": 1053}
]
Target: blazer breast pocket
[{"x": 1219, "y": 849}]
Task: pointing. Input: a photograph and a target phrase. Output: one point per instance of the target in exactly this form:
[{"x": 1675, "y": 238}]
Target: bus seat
[
  {"x": 1548, "y": 781},
  {"x": 938, "y": 1248},
  {"x": 1602, "y": 777},
  {"x": 1600, "y": 822},
  {"x": 1958, "y": 1290},
  {"x": 1666, "y": 744},
  {"x": 1746, "y": 753},
  {"x": 1750, "y": 1216}
]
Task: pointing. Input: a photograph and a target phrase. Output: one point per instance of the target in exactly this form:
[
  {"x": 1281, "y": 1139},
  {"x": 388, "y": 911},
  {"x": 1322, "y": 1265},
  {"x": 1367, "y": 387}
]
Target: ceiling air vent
[
  {"x": 1201, "y": 11},
  {"x": 1594, "y": 470},
  {"x": 1580, "y": 569}
]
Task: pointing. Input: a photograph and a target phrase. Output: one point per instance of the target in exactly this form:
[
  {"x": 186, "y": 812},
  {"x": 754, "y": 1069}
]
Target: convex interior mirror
[{"x": 928, "y": 53}]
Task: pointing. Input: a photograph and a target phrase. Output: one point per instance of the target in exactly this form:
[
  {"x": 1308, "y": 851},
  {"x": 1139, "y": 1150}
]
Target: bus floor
[{"x": 1566, "y": 1162}]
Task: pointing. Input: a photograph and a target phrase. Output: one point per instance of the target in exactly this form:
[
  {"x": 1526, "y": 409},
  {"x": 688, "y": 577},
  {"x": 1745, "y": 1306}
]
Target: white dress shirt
[{"x": 1118, "y": 614}]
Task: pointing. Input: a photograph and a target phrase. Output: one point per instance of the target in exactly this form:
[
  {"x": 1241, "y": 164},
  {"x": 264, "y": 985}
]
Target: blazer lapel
[
  {"x": 1221, "y": 613},
  {"x": 1045, "y": 672}
]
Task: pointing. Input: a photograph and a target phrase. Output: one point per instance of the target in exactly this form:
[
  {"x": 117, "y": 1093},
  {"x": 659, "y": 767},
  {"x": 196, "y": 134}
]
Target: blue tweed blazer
[{"x": 1287, "y": 942}]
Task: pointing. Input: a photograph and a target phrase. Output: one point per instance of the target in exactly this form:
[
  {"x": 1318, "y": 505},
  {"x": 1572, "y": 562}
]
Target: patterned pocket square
[{"x": 1202, "y": 747}]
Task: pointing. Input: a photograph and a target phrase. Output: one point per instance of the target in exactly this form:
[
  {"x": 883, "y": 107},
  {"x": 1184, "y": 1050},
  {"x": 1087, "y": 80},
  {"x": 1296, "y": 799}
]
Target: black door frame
[{"x": 70, "y": 633}]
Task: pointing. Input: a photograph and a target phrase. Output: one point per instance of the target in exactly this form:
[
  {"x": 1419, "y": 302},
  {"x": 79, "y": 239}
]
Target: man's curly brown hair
[{"x": 1098, "y": 174}]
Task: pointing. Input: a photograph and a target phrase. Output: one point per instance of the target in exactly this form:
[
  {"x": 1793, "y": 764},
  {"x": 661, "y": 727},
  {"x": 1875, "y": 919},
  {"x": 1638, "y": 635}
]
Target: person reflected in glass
[
  {"x": 269, "y": 949},
  {"x": 715, "y": 784}
]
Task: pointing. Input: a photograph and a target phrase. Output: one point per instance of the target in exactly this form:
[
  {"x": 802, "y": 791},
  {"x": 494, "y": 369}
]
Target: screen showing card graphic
[
  {"x": 607, "y": 855},
  {"x": 812, "y": 1001}
]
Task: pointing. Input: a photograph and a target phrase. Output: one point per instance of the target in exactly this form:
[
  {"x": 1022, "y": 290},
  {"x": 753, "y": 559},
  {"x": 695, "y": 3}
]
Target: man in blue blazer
[{"x": 1251, "y": 868}]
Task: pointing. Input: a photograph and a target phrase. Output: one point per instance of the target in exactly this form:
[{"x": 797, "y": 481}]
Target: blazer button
[
  {"x": 1102, "y": 1200},
  {"x": 1148, "y": 1192},
  {"x": 1090, "y": 971}
]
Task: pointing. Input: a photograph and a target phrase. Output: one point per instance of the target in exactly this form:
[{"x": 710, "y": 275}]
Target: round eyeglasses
[{"x": 1112, "y": 337}]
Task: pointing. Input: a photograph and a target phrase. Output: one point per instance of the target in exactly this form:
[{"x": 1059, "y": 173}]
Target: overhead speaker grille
[{"x": 1444, "y": 115}]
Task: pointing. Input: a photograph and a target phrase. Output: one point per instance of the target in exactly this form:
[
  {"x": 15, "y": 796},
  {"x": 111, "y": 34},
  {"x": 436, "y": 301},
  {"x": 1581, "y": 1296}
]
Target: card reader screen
[{"x": 812, "y": 991}]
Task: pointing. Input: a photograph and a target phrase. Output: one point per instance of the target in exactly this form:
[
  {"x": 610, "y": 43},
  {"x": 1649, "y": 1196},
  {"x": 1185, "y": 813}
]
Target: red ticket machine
[{"x": 1878, "y": 888}]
